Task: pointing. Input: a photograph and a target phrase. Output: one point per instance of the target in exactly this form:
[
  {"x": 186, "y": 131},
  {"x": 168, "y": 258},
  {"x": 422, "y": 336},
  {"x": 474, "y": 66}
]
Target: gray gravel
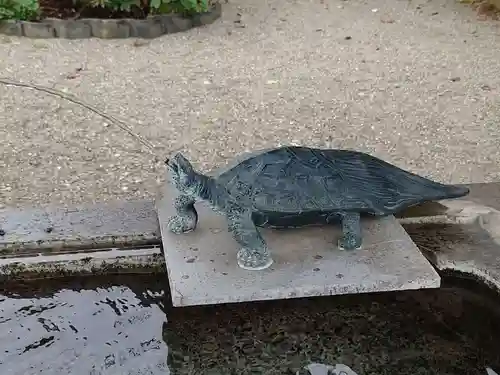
[{"x": 417, "y": 83}]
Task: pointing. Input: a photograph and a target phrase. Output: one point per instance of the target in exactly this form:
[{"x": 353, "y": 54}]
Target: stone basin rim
[{"x": 118, "y": 28}]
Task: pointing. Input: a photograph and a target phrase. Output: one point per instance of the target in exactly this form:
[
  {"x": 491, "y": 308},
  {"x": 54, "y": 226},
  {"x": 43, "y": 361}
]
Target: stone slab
[
  {"x": 202, "y": 266},
  {"x": 141, "y": 259},
  {"x": 53, "y": 229}
]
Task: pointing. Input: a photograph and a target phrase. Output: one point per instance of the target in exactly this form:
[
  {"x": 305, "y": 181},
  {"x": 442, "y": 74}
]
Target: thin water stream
[{"x": 123, "y": 325}]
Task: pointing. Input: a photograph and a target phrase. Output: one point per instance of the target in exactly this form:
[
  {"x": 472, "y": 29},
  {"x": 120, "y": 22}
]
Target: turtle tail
[
  {"x": 437, "y": 191},
  {"x": 454, "y": 191}
]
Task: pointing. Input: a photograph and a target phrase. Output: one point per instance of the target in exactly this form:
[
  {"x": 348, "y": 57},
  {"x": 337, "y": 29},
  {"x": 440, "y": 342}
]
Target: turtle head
[{"x": 183, "y": 174}]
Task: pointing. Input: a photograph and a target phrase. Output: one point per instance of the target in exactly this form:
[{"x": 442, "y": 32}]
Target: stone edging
[
  {"x": 124, "y": 236},
  {"x": 117, "y": 237},
  {"x": 151, "y": 27}
]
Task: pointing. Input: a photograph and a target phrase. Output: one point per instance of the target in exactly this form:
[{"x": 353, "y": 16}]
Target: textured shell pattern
[{"x": 298, "y": 179}]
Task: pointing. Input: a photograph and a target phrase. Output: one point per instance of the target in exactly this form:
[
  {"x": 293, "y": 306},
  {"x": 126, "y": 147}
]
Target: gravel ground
[{"x": 413, "y": 82}]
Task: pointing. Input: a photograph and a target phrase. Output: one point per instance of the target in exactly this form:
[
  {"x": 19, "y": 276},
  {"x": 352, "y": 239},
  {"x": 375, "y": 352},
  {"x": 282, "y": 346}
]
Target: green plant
[
  {"x": 124, "y": 5},
  {"x": 186, "y": 7},
  {"x": 116, "y": 5},
  {"x": 25, "y": 10}
]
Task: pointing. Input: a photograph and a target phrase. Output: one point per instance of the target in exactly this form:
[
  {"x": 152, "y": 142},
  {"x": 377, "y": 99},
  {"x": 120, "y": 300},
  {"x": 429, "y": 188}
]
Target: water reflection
[
  {"x": 97, "y": 326},
  {"x": 106, "y": 330},
  {"x": 322, "y": 369}
]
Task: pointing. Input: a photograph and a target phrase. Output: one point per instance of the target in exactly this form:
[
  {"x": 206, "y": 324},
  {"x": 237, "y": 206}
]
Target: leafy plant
[
  {"x": 24, "y": 10},
  {"x": 185, "y": 7},
  {"x": 116, "y": 5},
  {"x": 124, "y": 5}
]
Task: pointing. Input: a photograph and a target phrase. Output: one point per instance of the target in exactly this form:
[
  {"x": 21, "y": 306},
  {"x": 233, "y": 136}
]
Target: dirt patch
[
  {"x": 486, "y": 9},
  {"x": 67, "y": 9}
]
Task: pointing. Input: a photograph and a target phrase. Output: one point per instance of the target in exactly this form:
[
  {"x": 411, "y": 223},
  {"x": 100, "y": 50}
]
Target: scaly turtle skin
[{"x": 291, "y": 187}]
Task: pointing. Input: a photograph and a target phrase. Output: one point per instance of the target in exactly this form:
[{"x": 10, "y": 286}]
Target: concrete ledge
[
  {"x": 461, "y": 235},
  {"x": 151, "y": 27},
  {"x": 464, "y": 237},
  {"x": 56, "y": 230},
  {"x": 54, "y": 242},
  {"x": 103, "y": 261},
  {"x": 463, "y": 248}
]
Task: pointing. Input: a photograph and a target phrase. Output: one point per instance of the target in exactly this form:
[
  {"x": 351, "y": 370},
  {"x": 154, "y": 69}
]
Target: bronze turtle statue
[{"x": 292, "y": 186}]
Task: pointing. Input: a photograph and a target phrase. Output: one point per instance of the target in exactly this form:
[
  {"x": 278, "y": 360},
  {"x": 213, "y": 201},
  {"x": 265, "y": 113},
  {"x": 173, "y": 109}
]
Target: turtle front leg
[
  {"x": 253, "y": 254},
  {"x": 351, "y": 231},
  {"x": 186, "y": 218}
]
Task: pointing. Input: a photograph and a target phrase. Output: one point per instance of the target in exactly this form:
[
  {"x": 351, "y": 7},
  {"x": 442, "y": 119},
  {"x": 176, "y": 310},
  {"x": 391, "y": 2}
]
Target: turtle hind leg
[
  {"x": 186, "y": 218},
  {"x": 351, "y": 231},
  {"x": 253, "y": 254}
]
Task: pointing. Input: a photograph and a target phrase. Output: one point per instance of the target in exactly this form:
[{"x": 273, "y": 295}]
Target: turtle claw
[
  {"x": 181, "y": 224},
  {"x": 186, "y": 218},
  {"x": 254, "y": 260},
  {"x": 349, "y": 242}
]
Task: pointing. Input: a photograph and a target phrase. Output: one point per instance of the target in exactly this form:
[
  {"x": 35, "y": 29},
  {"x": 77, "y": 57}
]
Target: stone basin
[{"x": 125, "y": 325}]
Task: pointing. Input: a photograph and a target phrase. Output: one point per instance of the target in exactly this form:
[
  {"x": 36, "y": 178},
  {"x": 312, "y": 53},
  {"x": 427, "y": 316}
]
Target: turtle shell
[{"x": 300, "y": 179}]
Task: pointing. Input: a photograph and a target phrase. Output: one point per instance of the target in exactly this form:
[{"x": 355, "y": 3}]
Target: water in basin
[{"x": 124, "y": 325}]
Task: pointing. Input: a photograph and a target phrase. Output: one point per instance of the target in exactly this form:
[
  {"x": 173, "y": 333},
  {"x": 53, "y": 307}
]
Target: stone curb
[
  {"x": 460, "y": 235},
  {"x": 151, "y": 27},
  {"x": 118, "y": 237},
  {"x": 57, "y": 230},
  {"x": 146, "y": 259}
]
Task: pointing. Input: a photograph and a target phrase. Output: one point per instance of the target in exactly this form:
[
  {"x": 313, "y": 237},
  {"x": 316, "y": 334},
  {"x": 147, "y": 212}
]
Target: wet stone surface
[{"x": 118, "y": 325}]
